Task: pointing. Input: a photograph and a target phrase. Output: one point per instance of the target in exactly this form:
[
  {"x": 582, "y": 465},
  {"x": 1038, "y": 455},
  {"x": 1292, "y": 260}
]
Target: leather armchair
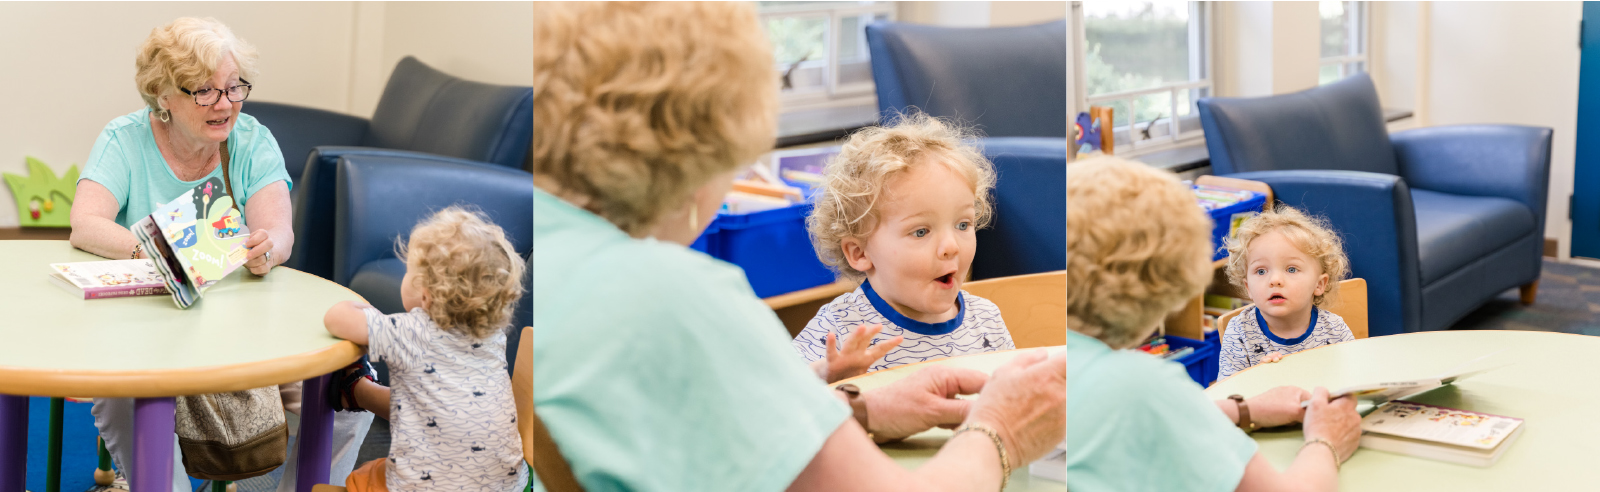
[
  {"x": 380, "y": 198},
  {"x": 1028, "y": 233},
  {"x": 1008, "y": 81},
  {"x": 1438, "y": 220},
  {"x": 422, "y": 112}
]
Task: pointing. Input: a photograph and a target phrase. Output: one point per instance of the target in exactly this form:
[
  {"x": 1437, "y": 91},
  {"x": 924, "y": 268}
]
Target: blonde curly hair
[
  {"x": 854, "y": 180},
  {"x": 472, "y": 274},
  {"x": 639, "y": 104},
  {"x": 1137, "y": 247},
  {"x": 186, "y": 53},
  {"x": 1311, "y": 235}
]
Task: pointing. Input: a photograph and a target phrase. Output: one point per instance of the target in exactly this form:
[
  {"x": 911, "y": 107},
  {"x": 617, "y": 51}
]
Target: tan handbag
[{"x": 232, "y": 436}]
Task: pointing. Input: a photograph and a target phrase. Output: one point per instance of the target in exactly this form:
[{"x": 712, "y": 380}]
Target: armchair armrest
[
  {"x": 299, "y": 129},
  {"x": 314, "y": 203},
  {"x": 1373, "y": 215},
  {"x": 1504, "y": 161},
  {"x": 381, "y": 197}
]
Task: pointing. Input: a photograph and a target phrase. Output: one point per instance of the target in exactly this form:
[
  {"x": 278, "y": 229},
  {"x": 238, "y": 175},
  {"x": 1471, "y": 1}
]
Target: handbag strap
[
  {"x": 227, "y": 178},
  {"x": 548, "y": 464}
]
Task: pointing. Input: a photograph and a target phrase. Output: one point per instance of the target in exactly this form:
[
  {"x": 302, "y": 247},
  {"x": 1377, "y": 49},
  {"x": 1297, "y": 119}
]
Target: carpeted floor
[{"x": 1568, "y": 302}]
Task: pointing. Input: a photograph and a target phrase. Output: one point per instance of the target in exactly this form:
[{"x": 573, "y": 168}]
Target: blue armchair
[
  {"x": 1029, "y": 230},
  {"x": 380, "y": 198},
  {"x": 1008, "y": 81},
  {"x": 422, "y": 112},
  {"x": 1437, "y": 220}
]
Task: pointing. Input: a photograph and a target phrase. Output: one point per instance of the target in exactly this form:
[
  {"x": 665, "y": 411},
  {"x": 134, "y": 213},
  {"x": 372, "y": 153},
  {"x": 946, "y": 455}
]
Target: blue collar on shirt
[
  {"x": 912, "y": 325},
  {"x": 1291, "y": 341}
]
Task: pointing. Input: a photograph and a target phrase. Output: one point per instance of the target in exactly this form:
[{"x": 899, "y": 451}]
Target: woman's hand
[
  {"x": 921, "y": 401},
  {"x": 858, "y": 354},
  {"x": 1025, "y": 402},
  {"x": 1335, "y": 421},
  {"x": 260, "y": 243},
  {"x": 1278, "y": 406}
]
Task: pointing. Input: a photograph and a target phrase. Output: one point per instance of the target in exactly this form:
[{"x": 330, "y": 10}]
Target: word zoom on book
[{"x": 195, "y": 240}]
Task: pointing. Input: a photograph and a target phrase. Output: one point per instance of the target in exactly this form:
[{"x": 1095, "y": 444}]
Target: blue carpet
[{"x": 79, "y": 452}]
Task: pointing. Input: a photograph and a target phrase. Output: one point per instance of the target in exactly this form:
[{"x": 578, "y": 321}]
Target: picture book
[
  {"x": 110, "y": 278},
  {"x": 195, "y": 240},
  {"x": 1439, "y": 433},
  {"x": 1053, "y": 466},
  {"x": 1380, "y": 393}
]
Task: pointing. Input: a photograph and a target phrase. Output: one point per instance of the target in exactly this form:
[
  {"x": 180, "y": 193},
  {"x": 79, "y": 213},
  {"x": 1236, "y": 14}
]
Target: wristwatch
[
  {"x": 1244, "y": 414},
  {"x": 858, "y": 405}
]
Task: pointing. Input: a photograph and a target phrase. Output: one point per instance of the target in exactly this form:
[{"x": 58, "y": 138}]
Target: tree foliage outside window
[
  {"x": 1343, "y": 48},
  {"x": 1139, "y": 45}
]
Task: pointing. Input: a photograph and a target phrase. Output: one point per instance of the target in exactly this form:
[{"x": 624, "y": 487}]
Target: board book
[
  {"x": 195, "y": 240},
  {"x": 108, "y": 279},
  {"x": 1439, "y": 433}
]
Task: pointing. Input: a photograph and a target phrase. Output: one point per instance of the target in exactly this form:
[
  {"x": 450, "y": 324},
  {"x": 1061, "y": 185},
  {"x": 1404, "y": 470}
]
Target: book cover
[
  {"x": 195, "y": 240},
  {"x": 110, "y": 278},
  {"x": 1439, "y": 433}
]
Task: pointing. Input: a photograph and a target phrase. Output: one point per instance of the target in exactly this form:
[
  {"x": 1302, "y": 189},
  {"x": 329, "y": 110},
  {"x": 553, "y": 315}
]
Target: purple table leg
[
  {"x": 316, "y": 436},
  {"x": 13, "y": 443},
  {"x": 152, "y": 444}
]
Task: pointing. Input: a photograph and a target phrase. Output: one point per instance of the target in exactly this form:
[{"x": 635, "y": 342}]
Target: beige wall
[
  {"x": 982, "y": 14},
  {"x": 1025, "y": 13},
  {"x": 1265, "y": 48},
  {"x": 69, "y": 66}
]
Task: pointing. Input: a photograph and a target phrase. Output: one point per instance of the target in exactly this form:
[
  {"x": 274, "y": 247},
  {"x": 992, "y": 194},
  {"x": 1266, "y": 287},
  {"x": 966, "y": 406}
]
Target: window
[
  {"x": 820, "y": 50},
  {"x": 1150, "y": 61},
  {"x": 1344, "y": 40}
]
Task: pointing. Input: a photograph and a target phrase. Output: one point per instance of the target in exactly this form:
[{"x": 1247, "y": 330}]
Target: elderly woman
[
  {"x": 656, "y": 367},
  {"x": 1137, "y": 246},
  {"x": 193, "y": 75}
]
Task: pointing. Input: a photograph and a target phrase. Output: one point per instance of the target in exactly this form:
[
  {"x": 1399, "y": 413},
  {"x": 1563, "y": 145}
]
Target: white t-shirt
[
  {"x": 1247, "y": 339},
  {"x": 453, "y": 422},
  {"x": 976, "y": 329}
]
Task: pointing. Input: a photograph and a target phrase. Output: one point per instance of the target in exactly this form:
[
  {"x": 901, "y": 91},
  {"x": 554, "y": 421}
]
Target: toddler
[
  {"x": 899, "y": 207},
  {"x": 1289, "y": 263},
  {"x": 450, "y": 409}
]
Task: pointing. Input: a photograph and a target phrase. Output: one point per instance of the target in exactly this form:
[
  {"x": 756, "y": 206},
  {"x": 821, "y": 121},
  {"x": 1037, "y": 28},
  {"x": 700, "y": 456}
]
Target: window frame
[
  {"x": 1361, "y": 32},
  {"x": 1202, "y": 76},
  {"x": 833, "y": 94}
]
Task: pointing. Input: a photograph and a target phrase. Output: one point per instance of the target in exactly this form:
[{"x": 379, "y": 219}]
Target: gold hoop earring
[{"x": 164, "y": 115}]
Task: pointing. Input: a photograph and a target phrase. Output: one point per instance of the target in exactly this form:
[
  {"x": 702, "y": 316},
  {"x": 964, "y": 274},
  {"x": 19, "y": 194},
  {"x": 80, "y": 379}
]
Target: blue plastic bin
[
  {"x": 1202, "y": 363},
  {"x": 771, "y": 246},
  {"x": 1223, "y": 220}
]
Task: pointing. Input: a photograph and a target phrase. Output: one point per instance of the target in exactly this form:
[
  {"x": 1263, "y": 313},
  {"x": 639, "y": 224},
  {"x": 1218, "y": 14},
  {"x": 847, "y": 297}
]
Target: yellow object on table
[
  {"x": 916, "y": 450},
  {"x": 1549, "y": 384}
]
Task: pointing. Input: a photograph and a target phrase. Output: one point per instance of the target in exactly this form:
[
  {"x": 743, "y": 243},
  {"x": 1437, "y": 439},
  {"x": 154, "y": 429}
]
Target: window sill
[{"x": 807, "y": 126}]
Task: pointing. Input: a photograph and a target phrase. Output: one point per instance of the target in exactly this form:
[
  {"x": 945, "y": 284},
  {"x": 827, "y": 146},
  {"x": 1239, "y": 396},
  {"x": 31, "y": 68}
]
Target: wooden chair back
[
  {"x": 1034, "y": 306},
  {"x": 1349, "y": 303}
]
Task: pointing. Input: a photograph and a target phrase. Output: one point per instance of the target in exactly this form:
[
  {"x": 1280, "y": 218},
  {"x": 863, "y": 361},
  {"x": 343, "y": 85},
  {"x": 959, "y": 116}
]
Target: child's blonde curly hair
[
  {"x": 1310, "y": 234},
  {"x": 471, "y": 272},
  {"x": 854, "y": 180}
]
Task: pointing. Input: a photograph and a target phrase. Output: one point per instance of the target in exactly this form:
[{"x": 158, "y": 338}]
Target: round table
[
  {"x": 246, "y": 332},
  {"x": 1549, "y": 384},
  {"x": 912, "y": 452}
]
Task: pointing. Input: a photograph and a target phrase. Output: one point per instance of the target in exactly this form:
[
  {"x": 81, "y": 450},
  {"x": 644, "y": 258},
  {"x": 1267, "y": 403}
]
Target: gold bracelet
[
  {"x": 1005, "y": 466},
  {"x": 1336, "y": 464}
]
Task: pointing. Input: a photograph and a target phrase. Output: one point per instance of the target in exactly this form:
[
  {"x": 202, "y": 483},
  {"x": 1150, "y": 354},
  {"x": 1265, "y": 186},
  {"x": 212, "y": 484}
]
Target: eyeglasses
[{"x": 207, "y": 97}]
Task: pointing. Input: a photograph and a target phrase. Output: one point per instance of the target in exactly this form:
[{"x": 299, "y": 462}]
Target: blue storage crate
[
  {"x": 1224, "y": 218},
  {"x": 771, "y": 246},
  {"x": 1202, "y": 362}
]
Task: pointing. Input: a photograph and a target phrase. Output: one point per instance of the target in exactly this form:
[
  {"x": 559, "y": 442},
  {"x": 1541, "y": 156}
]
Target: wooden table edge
[
  {"x": 21, "y": 381},
  {"x": 824, "y": 291}
]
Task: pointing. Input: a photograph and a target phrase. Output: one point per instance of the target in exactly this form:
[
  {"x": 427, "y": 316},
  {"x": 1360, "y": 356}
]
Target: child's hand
[
  {"x": 858, "y": 353},
  {"x": 1272, "y": 357}
]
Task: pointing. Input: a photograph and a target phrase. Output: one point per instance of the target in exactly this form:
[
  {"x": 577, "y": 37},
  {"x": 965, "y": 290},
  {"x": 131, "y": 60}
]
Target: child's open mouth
[
  {"x": 947, "y": 280},
  {"x": 1277, "y": 299}
]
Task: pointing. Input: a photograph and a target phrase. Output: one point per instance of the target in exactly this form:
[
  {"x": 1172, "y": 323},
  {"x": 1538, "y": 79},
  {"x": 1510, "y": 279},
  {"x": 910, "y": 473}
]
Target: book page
[
  {"x": 206, "y": 232},
  {"x": 110, "y": 273},
  {"x": 1440, "y": 424}
]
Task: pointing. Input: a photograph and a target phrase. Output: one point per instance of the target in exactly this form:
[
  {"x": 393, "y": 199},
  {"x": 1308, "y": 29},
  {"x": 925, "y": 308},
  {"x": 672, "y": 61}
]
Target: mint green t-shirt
[
  {"x": 656, "y": 367},
  {"x": 126, "y": 161},
  {"x": 1137, "y": 423}
]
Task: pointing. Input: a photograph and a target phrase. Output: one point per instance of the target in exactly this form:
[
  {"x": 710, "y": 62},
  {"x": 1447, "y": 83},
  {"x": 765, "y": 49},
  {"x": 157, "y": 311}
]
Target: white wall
[
  {"x": 982, "y": 14},
  {"x": 69, "y": 66},
  {"x": 1265, "y": 48},
  {"x": 1515, "y": 63},
  {"x": 1025, "y": 13}
]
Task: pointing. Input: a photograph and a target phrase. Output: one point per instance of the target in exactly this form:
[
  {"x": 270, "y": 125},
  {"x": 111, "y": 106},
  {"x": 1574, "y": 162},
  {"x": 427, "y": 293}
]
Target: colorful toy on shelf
[
  {"x": 1094, "y": 130},
  {"x": 43, "y": 200}
]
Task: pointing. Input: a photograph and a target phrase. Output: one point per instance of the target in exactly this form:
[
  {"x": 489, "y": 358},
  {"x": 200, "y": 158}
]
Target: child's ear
[
  {"x": 855, "y": 254},
  {"x": 1322, "y": 285}
]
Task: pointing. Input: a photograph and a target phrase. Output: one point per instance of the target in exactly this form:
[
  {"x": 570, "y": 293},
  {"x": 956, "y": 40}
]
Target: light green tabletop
[
  {"x": 915, "y": 450},
  {"x": 1550, "y": 384},
  {"x": 247, "y": 332}
]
